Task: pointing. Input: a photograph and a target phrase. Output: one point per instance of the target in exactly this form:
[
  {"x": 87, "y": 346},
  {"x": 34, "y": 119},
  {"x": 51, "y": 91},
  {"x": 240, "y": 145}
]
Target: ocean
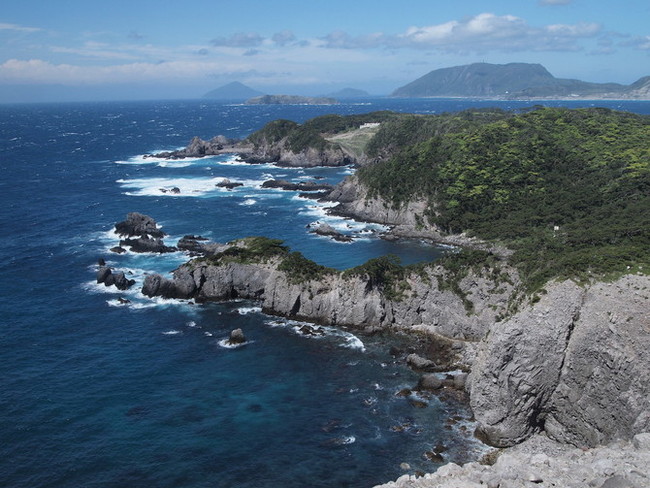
[{"x": 102, "y": 388}]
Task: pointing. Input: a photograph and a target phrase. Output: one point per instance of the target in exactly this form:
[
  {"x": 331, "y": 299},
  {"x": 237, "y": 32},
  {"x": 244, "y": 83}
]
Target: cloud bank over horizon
[{"x": 295, "y": 55}]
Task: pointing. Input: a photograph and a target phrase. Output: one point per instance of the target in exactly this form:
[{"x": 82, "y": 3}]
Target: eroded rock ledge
[{"x": 575, "y": 364}]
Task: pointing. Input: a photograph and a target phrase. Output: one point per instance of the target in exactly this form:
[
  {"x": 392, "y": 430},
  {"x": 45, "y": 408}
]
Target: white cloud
[
  {"x": 480, "y": 33},
  {"x": 39, "y": 71},
  {"x": 18, "y": 28}
]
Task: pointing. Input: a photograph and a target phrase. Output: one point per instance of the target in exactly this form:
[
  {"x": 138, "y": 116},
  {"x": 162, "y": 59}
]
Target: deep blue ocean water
[{"x": 94, "y": 393}]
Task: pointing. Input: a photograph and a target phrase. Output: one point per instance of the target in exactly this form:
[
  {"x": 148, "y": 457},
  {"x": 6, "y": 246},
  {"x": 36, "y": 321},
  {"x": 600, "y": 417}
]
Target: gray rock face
[
  {"x": 576, "y": 364},
  {"x": 137, "y": 224}
]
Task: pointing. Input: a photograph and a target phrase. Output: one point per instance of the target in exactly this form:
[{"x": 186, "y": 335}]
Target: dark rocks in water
[
  {"x": 226, "y": 183},
  {"x": 199, "y": 245},
  {"x": 329, "y": 231},
  {"x": 147, "y": 244},
  {"x": 101, "y": 262},
  {"x": 105, "y": 275},
  {"x": 434, "y": 457},
  {"x": 236, "y": 338},
  {"x": 137, "y": 224},
  {"x": 197, "y": 148},
  {"x": 118, "y": 249},
  {"x": 302, "y": 186},
  {"x": 308, "y": 330}
]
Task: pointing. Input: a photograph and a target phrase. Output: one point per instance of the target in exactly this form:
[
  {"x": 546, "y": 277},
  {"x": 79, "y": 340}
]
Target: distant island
[
  {"x": 290, "y": 100},
  {"x": 233, "y": 91},
  {"x": 514, "y": 81}
]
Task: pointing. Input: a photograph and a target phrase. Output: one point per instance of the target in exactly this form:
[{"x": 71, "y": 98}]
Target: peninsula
[
  {"x": 515, "y": 81},
  {"x": 546, "y": 302}
]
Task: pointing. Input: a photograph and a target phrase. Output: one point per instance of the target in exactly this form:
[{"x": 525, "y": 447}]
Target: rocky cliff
[
  {"x": 347, "y": 299},
  {"x": 574, "y": 362}
]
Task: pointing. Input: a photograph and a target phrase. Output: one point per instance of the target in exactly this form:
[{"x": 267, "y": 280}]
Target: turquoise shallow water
[{"x": 97, "y": 394}]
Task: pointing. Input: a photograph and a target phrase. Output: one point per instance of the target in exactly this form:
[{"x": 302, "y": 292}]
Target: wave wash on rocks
[{"x": 575, "y": 364}]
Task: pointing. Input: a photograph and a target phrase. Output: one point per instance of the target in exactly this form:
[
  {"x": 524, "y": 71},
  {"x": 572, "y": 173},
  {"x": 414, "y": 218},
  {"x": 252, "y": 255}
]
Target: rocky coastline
[{"x": 561, "y": 379}]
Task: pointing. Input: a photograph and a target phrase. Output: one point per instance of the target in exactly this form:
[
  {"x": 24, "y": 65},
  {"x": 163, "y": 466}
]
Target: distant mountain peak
[
  {"x": 233, "y": 91},
  {"x": 510, "y": 80}
]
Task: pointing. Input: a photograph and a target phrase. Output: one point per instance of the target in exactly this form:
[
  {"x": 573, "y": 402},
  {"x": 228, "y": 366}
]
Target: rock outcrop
[
  {"x": 341, "y": 299},
  {"x": 198, "y": 148},
  {"x": 119, "y": 280},
  {"x": 142, "y": 234},
  {"x": 576, "y": 365},
  {"x": 544, "y": 463}
]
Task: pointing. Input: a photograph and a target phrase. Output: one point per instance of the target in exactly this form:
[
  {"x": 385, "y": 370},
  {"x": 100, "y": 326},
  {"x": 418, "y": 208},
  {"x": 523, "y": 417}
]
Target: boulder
[
  {"x": 419, "y": 363},
  {"x": 236, "y": 338},
  {"x": 429, "y": 382}
]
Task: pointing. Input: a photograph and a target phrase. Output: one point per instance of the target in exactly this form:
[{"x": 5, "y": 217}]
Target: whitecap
[
  {"x": 247, "y": 310},
  {"x": 171, "y": 187},
  {"x": 225, "y": 343},
  {"x": 172, "y": 332},
  {"x": 248, "y": 202},
  {"x": 191, "y": 323}
]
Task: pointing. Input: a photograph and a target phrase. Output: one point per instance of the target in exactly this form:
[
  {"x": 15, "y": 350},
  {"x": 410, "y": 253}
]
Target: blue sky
[{"x": 70, "y": 49}]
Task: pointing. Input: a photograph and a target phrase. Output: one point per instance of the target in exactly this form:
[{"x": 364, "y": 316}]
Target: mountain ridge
[{"x": 513, "y": 80}]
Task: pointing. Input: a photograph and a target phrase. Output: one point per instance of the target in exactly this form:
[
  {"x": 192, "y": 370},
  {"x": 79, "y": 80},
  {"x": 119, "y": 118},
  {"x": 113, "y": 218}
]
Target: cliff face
[
  {"x": 338, "y": 299},
  {"x": 280, "y": 152},
  {"x": 576, "y": 364}
]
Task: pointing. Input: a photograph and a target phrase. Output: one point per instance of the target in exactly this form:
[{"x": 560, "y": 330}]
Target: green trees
[{"x": 566, "y": 189}]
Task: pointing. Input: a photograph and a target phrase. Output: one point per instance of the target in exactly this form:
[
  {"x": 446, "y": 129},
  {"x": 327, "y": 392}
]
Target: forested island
[{"x": 545, "y": 303}]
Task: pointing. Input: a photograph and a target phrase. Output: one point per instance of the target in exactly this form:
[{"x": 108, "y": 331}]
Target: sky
[{"x": 142, "y": 49}]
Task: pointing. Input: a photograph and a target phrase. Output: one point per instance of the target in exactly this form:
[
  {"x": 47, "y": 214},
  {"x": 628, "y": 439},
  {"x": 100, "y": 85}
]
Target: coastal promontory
[{"x": 544, "y": 299}]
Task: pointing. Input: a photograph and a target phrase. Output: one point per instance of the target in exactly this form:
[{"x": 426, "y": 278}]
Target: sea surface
[{"x": 99, "y": 392}]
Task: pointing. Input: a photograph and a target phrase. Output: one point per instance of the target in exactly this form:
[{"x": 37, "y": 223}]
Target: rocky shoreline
[{"x": 564, "y": 376}]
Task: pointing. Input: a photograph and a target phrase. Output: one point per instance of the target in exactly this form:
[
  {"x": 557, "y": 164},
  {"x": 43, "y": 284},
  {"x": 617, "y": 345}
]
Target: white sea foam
[
  {"x": 248, "y": 202},
  {"x": 191, "y": 323},
  {"x": 247, "y": 310},
  {"x": 225, "y": 343},
  {"x": 188, "y": 187},
  {"x": 347, "y": 339},
  {"x": 172, "y": 332}
]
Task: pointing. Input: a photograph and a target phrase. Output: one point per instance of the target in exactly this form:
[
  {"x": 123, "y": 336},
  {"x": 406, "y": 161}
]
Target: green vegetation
[
  {"x": 251, "y": 250},
  {"x": 385, "y": 273},
  {"x": 299, "y": 269},
  {"x": 567, "y": 190},
  {"x": 312, "y": 133}
]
